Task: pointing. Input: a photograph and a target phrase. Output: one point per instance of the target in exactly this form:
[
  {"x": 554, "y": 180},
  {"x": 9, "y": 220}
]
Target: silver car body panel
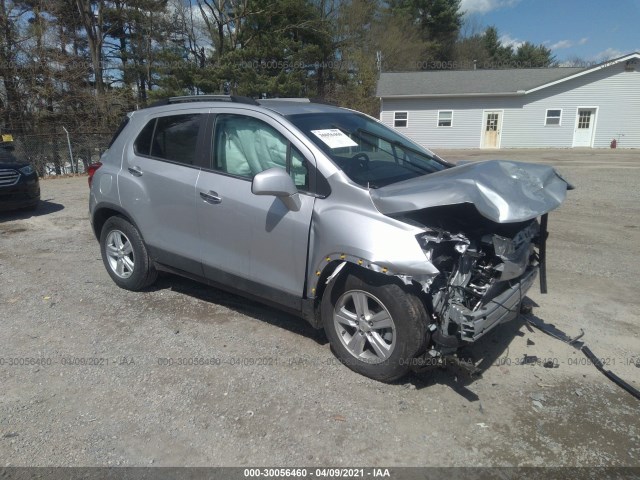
[
  {"x": 347, "y": 226},
  {"x": 253, "y": 236}
]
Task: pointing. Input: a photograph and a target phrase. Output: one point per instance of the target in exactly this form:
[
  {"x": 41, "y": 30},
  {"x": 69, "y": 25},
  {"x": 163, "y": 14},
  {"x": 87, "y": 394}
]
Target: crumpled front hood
[{"x": 502, "y": 191}]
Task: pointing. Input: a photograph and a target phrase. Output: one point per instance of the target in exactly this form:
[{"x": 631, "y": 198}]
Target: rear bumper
[
  {"x": 22, "y": 195},
  {"x": 502, "y": 308}
]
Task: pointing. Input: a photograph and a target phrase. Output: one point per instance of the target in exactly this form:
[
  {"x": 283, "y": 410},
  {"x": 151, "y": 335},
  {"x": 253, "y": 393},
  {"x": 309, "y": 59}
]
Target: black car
[{"x": 19, "y": 185}]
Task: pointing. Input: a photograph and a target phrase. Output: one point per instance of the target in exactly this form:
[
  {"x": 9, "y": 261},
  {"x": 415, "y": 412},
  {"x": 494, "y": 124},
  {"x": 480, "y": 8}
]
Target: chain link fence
[{"x": 59, "y": 154}]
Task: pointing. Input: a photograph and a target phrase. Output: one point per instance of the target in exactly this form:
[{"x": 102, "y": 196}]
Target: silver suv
[{"x": 400, "y": 256}]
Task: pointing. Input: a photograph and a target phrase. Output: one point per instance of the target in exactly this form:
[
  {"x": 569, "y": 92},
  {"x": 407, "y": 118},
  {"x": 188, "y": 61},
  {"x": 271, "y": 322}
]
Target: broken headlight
[{"x": 504, "y": 247}]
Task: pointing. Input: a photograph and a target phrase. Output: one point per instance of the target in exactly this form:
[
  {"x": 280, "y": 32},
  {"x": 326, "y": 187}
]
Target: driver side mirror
[{"x": 277, "y": 182}]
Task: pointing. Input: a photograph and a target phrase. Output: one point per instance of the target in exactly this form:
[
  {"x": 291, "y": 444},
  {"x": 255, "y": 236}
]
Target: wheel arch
[
  {"x": 104, "y": 212},
  {"x": 337, "y": 266},
  {"x": 345, "y": 263},
  {"x": 405, "y": 303}
]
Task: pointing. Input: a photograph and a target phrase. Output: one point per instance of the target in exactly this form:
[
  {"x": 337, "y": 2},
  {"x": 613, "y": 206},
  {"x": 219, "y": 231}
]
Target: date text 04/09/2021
[{"x": 317, "y": 472}]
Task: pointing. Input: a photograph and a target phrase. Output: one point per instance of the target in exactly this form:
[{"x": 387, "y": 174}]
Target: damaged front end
[
  {"x": 484, "y": 275},
  {"x": 482, "y": 234}
]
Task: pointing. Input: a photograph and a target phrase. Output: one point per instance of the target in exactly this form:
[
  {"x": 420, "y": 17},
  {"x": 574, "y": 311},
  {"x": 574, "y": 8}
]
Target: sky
[{"x": 593, "y": 30}]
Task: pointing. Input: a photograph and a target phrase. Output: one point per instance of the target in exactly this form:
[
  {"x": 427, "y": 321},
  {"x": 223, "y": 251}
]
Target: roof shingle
[{"x": 469, "y": 82}]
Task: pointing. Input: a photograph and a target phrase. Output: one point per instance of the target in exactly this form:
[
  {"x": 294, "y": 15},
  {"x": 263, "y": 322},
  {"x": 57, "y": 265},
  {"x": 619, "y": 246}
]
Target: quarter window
[
  {"x": 400, "y": 119},
  {"x": 142, "y": 145},
  {"x": 245, "y": 146},
  {"x": 553, "y": 117},
  {"x": 445, "y": 118},
  {"x": 173, "y": 138}
]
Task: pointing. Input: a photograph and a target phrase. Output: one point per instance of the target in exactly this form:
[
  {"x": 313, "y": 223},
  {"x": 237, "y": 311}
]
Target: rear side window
[
  {"x": 173, "y": 138},
  {"x": 142, "y": 144}
]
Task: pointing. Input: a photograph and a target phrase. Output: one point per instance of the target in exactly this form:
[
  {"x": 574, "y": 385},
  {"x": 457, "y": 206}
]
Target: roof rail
[
  {"x": 205, "y": 98},
  {"x": 285, "y": 99},
  {"x": 322, "y": 101}
]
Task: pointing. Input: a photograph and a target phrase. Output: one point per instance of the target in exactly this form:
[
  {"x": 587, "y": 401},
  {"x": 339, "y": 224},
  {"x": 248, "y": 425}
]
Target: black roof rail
[
  {"x": 285, "y": 99},
  {"x": 204, "y": 98},
  {"x": 240, "y": 99}
]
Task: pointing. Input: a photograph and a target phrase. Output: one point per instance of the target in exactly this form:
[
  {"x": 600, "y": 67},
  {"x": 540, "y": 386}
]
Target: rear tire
[
  {"x": 125, "y": 255},
  {"x": 375, "y": 326}
]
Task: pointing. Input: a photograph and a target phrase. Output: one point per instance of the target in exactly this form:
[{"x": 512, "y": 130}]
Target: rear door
[
  {"x": 157, "y": 186},
  {"x": 254, "y": 243}
]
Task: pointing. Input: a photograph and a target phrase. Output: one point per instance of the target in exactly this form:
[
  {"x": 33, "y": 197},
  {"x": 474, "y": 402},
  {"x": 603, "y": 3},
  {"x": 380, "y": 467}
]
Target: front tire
[
  {"x": 375, "y": 326},
  {"x": 125, "y": 256}
]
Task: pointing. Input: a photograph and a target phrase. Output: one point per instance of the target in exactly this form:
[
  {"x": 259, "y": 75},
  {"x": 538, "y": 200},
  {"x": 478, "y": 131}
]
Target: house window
[
  {"x": 400, "y": 119},
  {"x": 553, "y": 117},
  {"x": 445, "y": 118}
]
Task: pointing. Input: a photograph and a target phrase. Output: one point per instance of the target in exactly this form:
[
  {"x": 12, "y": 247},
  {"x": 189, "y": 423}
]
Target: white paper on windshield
[{"x": 334, "y": 138}]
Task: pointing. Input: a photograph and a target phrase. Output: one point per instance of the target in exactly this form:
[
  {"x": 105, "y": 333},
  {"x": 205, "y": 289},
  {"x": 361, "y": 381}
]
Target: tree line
[{"x": 83, "y": 63}]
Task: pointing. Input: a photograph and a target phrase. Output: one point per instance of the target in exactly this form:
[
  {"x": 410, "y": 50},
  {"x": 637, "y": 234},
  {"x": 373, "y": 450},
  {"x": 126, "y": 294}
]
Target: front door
[
  {"x": 492, "y": 125},
  {"x": 585, "y": 126},
  {"x": 253, "y": 242}
]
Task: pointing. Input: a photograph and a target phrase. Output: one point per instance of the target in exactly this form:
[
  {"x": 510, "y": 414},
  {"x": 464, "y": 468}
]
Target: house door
[
  {"x": 491, "y": 127},
  {"x": 585, "y": 125}
]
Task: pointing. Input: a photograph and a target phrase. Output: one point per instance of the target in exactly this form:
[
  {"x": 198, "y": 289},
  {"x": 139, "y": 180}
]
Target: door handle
[
  {"x": 135, "y": 171},
  {"x": 211, "y": 197}
]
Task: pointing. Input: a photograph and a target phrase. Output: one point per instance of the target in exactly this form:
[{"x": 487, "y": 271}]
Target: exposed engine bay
[{"x": 485, "y": 269}]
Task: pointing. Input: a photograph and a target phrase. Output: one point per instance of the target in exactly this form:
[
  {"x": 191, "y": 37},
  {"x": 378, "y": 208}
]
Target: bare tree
[{"x": 91, "y": 16}]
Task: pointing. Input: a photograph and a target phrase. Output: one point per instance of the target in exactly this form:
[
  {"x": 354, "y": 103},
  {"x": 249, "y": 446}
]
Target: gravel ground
[{"x": 278, "y": 397}]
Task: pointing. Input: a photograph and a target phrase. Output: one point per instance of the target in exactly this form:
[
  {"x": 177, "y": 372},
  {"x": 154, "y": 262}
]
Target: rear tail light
[{"x": 91, "y": 170}]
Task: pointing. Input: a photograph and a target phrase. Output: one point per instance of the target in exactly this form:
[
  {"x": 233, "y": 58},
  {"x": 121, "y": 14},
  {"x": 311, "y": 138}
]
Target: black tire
[
  {"x": 143, "y": 273},
  {"x": 407, "y": 312}
]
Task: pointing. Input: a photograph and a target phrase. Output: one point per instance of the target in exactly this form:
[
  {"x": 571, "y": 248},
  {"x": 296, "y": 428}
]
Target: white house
[{"x": 517, "y": 108}]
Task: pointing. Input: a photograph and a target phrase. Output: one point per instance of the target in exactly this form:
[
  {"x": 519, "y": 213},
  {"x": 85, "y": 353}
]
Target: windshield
[{"x": 371, "y": 154}]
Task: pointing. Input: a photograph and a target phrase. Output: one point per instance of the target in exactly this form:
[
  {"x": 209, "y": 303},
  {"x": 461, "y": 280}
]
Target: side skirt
[{"x": 300, "y": 307}]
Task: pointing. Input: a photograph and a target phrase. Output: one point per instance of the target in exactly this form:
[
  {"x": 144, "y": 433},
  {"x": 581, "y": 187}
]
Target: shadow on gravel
[
  {"x": 45, "y": 207},
  {"x": 239, "y": 304},
  {"x": 485, "y": 354}
]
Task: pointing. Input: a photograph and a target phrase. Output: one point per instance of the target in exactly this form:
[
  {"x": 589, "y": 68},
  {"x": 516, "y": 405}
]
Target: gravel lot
[{"x": 278, "y": 397}]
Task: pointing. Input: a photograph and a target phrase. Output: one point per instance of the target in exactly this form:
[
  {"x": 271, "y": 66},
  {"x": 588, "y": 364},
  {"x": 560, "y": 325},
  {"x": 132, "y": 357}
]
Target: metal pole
[
  {"x": 73, "y": 170},
  {"x": 542, "y": 253}
]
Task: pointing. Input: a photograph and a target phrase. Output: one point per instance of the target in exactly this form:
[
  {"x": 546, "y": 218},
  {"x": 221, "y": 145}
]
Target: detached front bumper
[{"x": 502, "y": 308}]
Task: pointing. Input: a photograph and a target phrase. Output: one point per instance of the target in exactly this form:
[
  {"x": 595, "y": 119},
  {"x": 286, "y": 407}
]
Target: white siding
[{"x": 613, "y": 91}]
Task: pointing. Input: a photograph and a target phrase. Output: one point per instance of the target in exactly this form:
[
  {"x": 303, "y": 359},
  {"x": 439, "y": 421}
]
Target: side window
[
  {"x": 553, "y": 117},
  {"x": 245, "y": 146},
  {"x": 172, "y": 138},
  {"x": 299, "y": 170},
  {"x": 142, "y": 145},
  {"x": 445, "y": 118},
  {"x": 400, "y": 119},
  {"x": 176, "y": 138}
]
